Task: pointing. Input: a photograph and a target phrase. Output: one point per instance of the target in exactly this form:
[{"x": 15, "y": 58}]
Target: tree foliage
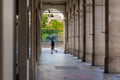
[
  {"x": 56, "y": 24},
  {"x": 51, "y": 27},
  {"x": 44, "y": 20}
]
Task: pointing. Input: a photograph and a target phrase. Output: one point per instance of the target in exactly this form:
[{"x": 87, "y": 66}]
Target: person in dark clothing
[{"x": 52, "y": 46}]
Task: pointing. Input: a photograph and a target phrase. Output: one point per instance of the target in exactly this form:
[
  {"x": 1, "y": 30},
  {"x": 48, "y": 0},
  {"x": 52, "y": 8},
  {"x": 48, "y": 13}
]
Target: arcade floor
[{"x": 60, "y": 66}]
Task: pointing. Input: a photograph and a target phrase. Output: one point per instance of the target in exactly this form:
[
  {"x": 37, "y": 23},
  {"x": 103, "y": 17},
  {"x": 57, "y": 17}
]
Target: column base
[
  {"x": 99, "y": 60},
  {"x": 81, "y": 54},
  {"x": 114, "y": 65},
  {"x": 89, "y": 57}
]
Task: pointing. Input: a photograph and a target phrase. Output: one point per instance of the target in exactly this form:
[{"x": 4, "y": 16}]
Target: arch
[
  {"x": 58, "y": 15},
  {"x": 54, "y": 11},
  {"x": 60, "y": 8}
]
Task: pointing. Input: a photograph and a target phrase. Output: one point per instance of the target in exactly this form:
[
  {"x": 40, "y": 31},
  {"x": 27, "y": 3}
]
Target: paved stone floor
[{"x": 60, "y": 66}]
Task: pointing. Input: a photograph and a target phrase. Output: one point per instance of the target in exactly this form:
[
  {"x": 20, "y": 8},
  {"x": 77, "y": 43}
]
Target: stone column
[
  {"x": 78, "y": 24},
  {"x": 81, "y": 22},
  {"x": 22, "y": 40},
  {"x": 99, "y": 23},
  {"x": 1, "y": 53},
  {"x": 72, "y": 33},
  {"x": 89, "y": 32},
  {"x": 7, "y": 26},
  {"x": 113, "y": 34},
  {"x": 67, "y": 44},
  {"x": 72, "y": 30},
  {"x": 66, "y": 32},
  {"x": 38, "y": 35},
  {"x": 38, "y": 30},
  {"x": 84, "y": 31},
  {"x": 34, "y": 37},
  {"x": 30, "y": 39},
  {"x": 69, "y": 28},
  {"x": 69, "y": 35},
  {"x": 76, "y": 29}
]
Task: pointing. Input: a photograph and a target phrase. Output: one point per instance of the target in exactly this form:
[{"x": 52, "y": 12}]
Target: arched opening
[{"x": 52, "y": 27}]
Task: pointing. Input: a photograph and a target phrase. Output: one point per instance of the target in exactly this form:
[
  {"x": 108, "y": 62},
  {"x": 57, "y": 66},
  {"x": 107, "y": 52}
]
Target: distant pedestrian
[{"x": 52, "y": 46}]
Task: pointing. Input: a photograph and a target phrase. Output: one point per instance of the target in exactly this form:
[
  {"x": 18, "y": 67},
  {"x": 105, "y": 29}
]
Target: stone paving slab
[{"x": 59, "y": 66}]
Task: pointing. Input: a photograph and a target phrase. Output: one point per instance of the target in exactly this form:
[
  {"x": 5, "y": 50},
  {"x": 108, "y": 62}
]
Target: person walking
[{"x": 52, "y": 46}]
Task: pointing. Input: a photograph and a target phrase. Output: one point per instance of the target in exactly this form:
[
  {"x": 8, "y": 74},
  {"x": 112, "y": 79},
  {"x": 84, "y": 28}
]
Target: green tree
[
  {"x": 44, "y": 20},
  {"x": 55, "y": 26}
]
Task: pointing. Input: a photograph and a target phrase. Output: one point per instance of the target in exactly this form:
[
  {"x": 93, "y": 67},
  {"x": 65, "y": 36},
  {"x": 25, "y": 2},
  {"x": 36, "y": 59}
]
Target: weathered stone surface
[
  {"x": 81, "y": 29},
  {"x": 7, "y": 36},
  {"x": 89, "y": 23},
  {"x": 22, "y": 42},
  {"x": 99, "y": 33},
  {"x": 114, "y": 38},
  {"x": 1, "y": 39}
]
